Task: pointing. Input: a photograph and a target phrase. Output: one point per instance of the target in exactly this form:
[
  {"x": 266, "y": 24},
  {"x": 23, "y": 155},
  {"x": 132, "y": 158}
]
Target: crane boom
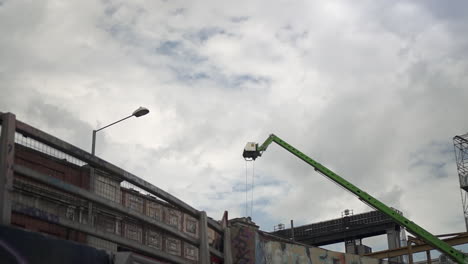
[{"x": 253, "y": 151}]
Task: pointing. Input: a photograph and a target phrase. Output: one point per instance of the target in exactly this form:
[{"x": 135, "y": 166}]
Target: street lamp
[{"x": 141, "y": 111}]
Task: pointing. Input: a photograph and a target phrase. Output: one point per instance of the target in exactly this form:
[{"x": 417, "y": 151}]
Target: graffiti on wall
[
  {"x": 243, "y": 245},
  {"x": 270, "y": 251}
]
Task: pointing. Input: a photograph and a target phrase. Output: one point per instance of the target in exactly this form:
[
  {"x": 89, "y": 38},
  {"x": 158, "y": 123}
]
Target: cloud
[{"x": 373, "y": 90}]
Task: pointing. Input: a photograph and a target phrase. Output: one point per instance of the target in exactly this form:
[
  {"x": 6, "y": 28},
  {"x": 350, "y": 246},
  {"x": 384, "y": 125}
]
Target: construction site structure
[
  {"x": 254, "y": 150},
  {"x": 460, "y": 144},
  {"x": 350, "y": 229},
  {"x": 61, "y": 204}
]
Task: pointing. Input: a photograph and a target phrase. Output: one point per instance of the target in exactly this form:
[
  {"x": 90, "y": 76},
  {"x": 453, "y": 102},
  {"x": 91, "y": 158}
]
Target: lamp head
[{"x": 141, "y": 111}]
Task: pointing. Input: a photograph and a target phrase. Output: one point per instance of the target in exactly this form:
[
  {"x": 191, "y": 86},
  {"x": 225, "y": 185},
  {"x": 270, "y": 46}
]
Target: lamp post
[{"x": 141, "y": 111}]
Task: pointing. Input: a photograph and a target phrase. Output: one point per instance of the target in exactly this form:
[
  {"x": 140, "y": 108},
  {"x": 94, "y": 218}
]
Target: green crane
[{"x": 253, "y": 151}]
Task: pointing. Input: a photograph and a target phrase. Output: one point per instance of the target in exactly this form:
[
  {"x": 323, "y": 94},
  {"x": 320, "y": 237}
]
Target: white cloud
[{"x": 369, "y": 89}]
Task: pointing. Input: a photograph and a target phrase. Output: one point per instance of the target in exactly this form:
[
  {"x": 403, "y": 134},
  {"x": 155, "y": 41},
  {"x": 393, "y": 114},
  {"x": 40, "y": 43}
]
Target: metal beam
[
  {"x": 342, "y": 235},
  {"x": 56, "y": 183},
  {"x": 119, "y": 240},
  {"x": 7, "y": 159},
  {"x": 204, "y": 250},
  {"x": 216, "y": 253},
  {"x": 462, "y": 239}
]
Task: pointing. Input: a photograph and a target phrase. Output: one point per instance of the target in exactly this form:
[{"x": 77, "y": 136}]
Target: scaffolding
[{"x": 461, "y": 156}]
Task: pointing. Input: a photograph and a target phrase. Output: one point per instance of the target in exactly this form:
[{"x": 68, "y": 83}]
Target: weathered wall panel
[
  {"x": 243, "y": 245},
  {"x": 154, "y": 239},
  {"x": 173, "y": 218},
  {"x": 133, "y": 200},
  {"x": 154, "y": 210},
  {"x": 275, "y": 252},
  {"x": 107, "y": 187},
  {"x": 173, "y": 246},
  {"x": 133, "y": 231},
  {"x": 252, "y": 247},
  {"x": 60, "y": 169},
  {"x": 190, "y": 252},
  {"x": 191, "y": 225},
  {"x": 101, "y": 244},
  {"x": 215, "y": 239}
]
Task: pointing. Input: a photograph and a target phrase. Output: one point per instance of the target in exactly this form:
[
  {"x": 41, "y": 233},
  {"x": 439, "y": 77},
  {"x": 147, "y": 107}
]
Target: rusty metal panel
[
  {"x": 173, "y": 246},
  {"x": 173, "y": 218},
  {"x": 154, "y": 210},
  {"x": 191, "y": 226},
  {"x": 215, "y": 239},
  {"x": 190, "y": 252},
  {"x": 101, "y": 243},
  {"x": 133, "y": 201},
  {"x": 107, "y": 187},
  {"x": 133, "y": 231},
  {"x": 106, "y": 223},
  {"x": 154, "y": 239},
  {"x": 7, "y": 157}
]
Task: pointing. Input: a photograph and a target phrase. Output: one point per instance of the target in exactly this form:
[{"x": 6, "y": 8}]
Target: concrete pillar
[
  {"x": 204, "y": 256},
  {"x": 227, "y": 246},
  {"x": 92, "y": 187},
  {"x": 394, "y": 241},
  {"x": 350, "y": 247},
  {"x": 7, "y": 158},
  {"x": 393, "y": 238}
]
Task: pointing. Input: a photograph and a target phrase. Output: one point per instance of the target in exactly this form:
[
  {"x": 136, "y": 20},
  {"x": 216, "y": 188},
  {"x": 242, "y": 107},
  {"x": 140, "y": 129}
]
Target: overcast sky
[{"x": 375, "y": 90}]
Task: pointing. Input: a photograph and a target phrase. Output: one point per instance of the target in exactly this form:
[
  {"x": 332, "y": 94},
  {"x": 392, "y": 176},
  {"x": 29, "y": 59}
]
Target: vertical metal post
[
  {"x": 7, "y": 158},
  {"x": 204, "y": 246},
  {"x": 90, "y": 214},
  {"x": 92, "y": 187},
  {"x": 428, "y": 255},
  {"x": 143, "y": 234},
  {"x": 292, "y": 230},
  {"x": 93, "y": 145}
]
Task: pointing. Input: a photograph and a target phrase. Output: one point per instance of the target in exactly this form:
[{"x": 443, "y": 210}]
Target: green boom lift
[{"x": 253, "y": 151}]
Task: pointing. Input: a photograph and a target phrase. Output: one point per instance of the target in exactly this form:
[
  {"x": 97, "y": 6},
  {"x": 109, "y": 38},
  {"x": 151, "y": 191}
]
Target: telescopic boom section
[{"x": 253, "y": 151}]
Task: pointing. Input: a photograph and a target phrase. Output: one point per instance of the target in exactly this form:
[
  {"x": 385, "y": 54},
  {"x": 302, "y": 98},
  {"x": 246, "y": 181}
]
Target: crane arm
[{"x": 253, "y": 151}]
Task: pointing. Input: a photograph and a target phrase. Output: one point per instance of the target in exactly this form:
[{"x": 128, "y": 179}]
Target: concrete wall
[{"x": 250, "y": 246}]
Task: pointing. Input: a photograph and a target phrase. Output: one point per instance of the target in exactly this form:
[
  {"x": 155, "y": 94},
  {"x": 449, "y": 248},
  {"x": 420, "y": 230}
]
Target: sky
[{"x": 374, "y": 90}]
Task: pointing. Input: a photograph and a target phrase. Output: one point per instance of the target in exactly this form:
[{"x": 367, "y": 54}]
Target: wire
[
  {"x": 246, "y": 203},
  {"x": 253, "y": 176}
]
